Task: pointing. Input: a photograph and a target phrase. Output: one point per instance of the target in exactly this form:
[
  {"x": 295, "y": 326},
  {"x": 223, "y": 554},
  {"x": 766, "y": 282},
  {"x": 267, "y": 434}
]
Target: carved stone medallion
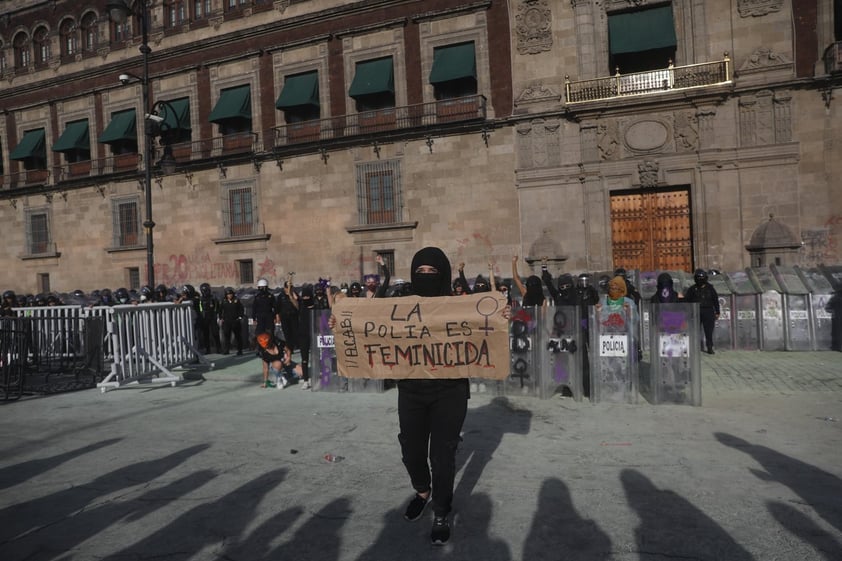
[
  {"x": 754, "y": 8},
  {"x": 533, "y": 24}
]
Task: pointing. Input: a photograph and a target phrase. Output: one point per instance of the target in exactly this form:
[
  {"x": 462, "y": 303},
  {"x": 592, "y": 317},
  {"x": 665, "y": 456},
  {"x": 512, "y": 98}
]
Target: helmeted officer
[
  {"x": 231, "y": 313},
  {"x": 208, "y": 308},
  {"x": 264, "y": 310},
  {"x": 705, "y": 294}
]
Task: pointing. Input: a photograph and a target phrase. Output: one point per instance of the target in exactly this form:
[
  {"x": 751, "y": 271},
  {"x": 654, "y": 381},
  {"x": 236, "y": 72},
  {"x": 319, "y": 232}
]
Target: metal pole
[{"x": 148, "y": 224}]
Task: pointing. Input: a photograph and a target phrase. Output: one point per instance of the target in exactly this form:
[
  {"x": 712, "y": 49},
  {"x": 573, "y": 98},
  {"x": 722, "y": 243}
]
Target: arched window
[
  {"x": 23, "y": 57},
  {"x": 41, "y": 41},
  {"x": 90, "y": 32},
  {"x": 67, "y": 31}
]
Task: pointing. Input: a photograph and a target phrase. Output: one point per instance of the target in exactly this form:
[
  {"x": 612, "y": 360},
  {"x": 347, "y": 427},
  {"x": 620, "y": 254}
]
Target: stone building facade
[{"x": 519, "y": 147}]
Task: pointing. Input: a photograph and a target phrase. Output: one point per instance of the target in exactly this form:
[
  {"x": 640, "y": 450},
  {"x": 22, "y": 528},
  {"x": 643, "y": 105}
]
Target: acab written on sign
[{"x": 613, "y": 345}]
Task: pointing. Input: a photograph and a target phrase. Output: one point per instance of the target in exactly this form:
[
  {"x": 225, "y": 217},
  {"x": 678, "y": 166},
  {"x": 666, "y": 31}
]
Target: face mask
[
  {"x": 426, "y": 284},
  {"x": 665, "y": 293}
]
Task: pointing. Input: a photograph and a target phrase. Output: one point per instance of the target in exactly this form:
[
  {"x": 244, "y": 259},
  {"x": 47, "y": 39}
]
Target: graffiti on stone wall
[
  {"x": 821, "y": 245},
  {"x": 179, "y": 269}
]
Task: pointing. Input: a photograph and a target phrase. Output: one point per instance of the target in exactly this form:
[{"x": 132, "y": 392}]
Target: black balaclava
[
  {"x": 534, "y": 293},
  {"x": 307, "y": 295},
  {"x": 565, "y": 283},
  {"x": 665, "y": 291},
  {"x": 426, "y": 284}
]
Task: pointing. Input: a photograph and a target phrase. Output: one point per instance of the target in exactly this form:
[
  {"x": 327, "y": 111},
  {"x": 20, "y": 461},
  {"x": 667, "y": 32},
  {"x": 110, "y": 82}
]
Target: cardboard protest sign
[{"x": 415, "y": 337}]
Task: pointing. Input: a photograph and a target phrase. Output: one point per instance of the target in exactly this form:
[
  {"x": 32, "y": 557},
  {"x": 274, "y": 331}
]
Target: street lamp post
[{"x": 120, "y": 11}]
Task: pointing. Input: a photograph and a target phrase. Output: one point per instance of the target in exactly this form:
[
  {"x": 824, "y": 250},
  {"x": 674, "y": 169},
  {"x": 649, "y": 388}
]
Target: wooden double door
[{"x": 651, "y": 229}]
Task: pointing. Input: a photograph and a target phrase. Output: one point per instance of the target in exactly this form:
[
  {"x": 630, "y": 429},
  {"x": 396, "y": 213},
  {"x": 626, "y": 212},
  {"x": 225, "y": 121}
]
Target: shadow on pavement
[
  {"x": 319, "y": 537},
  {"x": 558, "y": 532},
  {"x": 55, "y": 540},
  {"x": 483, "y": 431},
  {"x": 36, "y": 514},
  {"x": 818, "y": 489},
  {"x": 207, "y": 525},
  {"x": 672, "y": 528},
  {"x": 24, "y": 471},
  {"x": 805, "y": 529}
]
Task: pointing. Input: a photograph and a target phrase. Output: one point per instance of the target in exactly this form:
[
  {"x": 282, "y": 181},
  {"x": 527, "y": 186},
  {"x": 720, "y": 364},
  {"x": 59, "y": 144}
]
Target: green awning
[
  {"x": 300, "y": 89},
  {"x": 123, "y": 126},
  {"x": 176, "y": 113},
  {"x": 30, "y": 146},
  {"x": 453, "y": 62},
  {"x": 373, "y": 77},
  {"x": 234, "y": 103},
  {"x": 641, "y": 30},
  {"x": 74, "y": 137}
]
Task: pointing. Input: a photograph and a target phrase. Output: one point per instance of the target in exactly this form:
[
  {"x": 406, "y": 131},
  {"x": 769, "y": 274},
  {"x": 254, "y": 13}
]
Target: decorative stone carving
[
  {"x": 524, "y": 145},
  {"x": 281, "y": 5},
  {"x": 705, "y": 121},
  {"x": 783, "y": 116},
  {"x": 539, "y": 144},
  {"x": 647, "y": 171},
  {"x": 533, "y": 24},
  {"x": 754, "y": 8},
  {"x": 588, "y": 134},
  {"x": 536, "y": 93},
  {"x": 764, "y": 59},
  {"x": 686, "y": 132},
  {"x": 646, "y": 135},
  {"x": 607, "y": 140},
  {"x": 766, "y": 118}
]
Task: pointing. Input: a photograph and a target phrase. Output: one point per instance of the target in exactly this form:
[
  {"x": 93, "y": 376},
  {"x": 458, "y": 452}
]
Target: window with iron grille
[
  {"x": 246, "y": 271},
  {"x": 67, "y": 32},
  {"x": 239, "y": 209},
  {"x": 42, "y": 46},
  {"x": 134, "y": 277},
  {"x": 379, "y": 192},
  {"x": 22, "y": 53},
  {"x": 126, "y": 222},
  {"x": 201, "y": 9},
  {"x": 90, "y": 33},
  {"x": 38, "y": 232}
]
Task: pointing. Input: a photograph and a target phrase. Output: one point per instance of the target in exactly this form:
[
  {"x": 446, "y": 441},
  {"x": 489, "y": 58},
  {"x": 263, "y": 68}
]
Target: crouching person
[{"x": 277, "y": 361}]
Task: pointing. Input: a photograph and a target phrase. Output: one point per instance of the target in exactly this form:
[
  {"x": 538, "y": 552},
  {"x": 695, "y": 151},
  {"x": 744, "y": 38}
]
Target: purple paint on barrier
[
  {"x": 673, "y": 322},
  {"x": 561, "y": 374}
]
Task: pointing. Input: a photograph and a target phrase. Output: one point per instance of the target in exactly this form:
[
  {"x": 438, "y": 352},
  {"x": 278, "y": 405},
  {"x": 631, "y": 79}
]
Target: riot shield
[
  {"x": 675, "y": 359},
  {"x": 613, "y": 360},
  {"x": 560, "y": 351}
]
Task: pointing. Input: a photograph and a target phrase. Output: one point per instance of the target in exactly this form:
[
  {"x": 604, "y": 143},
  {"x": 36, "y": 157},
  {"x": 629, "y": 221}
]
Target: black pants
[
  {"x": 209, "y": 331},
  {"x": 229, "y": 327},
  {"x": 431, "y": 413},
  {"x": 708, "y": 318}
]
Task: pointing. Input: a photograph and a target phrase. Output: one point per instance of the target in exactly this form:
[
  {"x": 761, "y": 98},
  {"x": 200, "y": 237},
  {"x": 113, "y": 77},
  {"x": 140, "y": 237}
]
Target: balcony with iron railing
[
  {"x": 650, "y": 82},
  {"x": 342, "y": 130},
  {"x": 833, "y": 58},
  {"x": 441, "y": 113}
]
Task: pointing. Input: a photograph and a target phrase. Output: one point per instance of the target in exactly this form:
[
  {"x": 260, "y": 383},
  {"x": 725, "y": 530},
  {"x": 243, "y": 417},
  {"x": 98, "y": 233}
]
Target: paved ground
[{"x": 219, "y": 469}]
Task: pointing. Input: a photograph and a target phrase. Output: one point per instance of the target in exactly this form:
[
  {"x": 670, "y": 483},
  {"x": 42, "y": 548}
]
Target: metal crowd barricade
[
  {"x": 148, "y": 340},
  {"x": 675, "y": 365},
  {"x": 14, "y": 353},
  {"x": 613, "y": 359}
]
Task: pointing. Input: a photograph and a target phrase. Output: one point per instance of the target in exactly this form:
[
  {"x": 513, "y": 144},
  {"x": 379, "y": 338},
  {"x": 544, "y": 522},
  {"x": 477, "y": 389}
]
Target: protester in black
[
  {"x": 665, "y": 293},
  {"x": 287, "y": 307},
  {"x": 703, "y": 293},
  {"x": 431, "y": 413},
  {"x": 531, "y": 292},
  {"x": 231, "y": 313},
  {"x": 565, "y": 295}
]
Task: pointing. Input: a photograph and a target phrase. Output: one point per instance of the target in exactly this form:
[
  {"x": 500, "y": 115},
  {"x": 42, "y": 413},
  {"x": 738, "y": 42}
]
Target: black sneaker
[
  {"x": 416, "y": 507},
  {"x": 441, "y": 530}
]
